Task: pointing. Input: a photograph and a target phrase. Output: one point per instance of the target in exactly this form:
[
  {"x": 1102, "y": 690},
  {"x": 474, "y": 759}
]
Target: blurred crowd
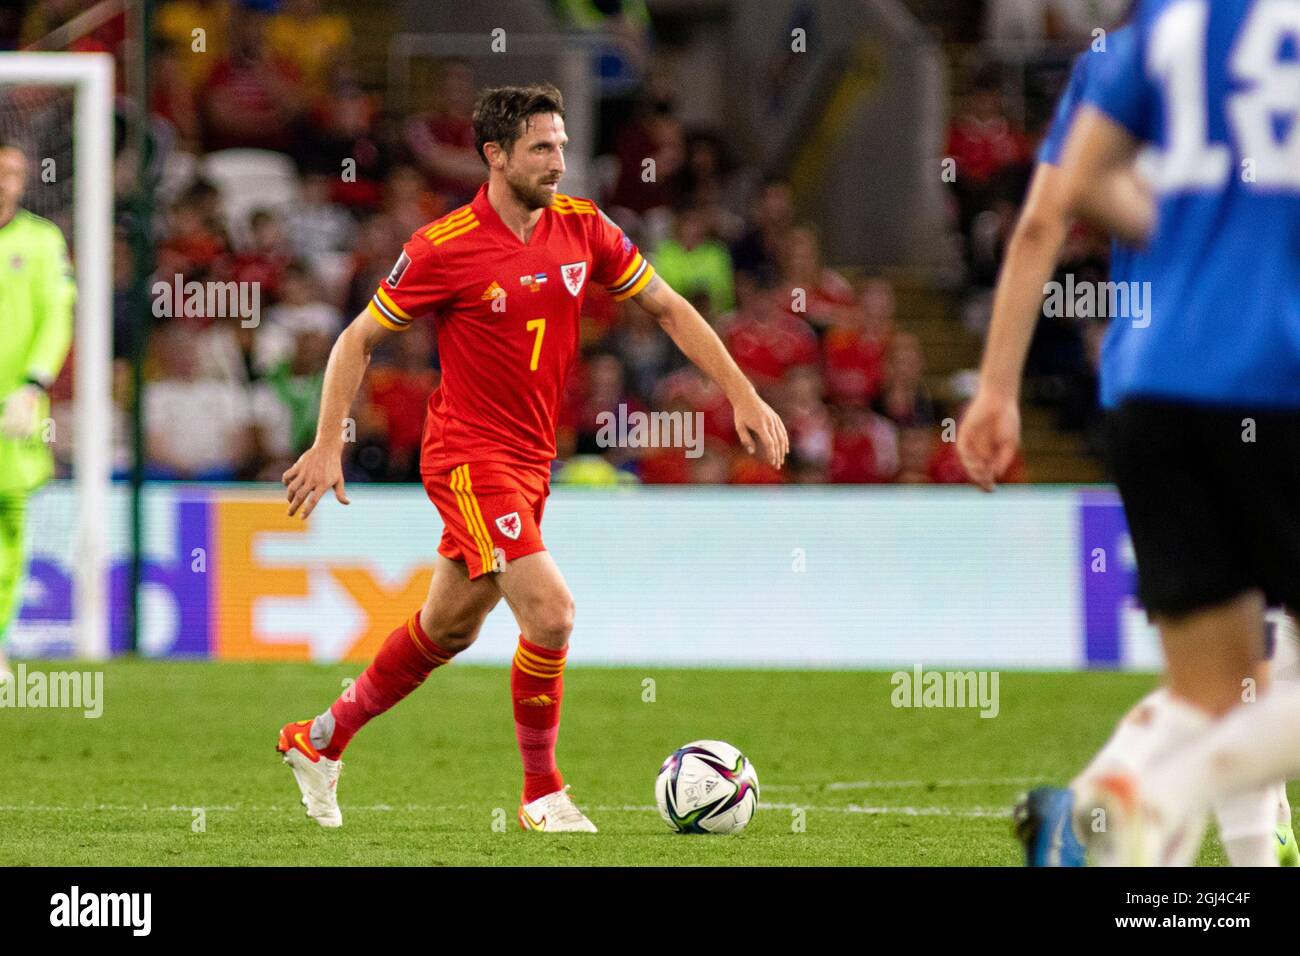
[
  {"x": 278, "y": 78},
  {"x": 277, "y": 164},
  {"x": 995, "y": 151}
]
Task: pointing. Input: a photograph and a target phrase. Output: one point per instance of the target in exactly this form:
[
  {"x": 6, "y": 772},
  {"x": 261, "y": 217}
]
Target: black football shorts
[{"x": 1212, "y": 498}]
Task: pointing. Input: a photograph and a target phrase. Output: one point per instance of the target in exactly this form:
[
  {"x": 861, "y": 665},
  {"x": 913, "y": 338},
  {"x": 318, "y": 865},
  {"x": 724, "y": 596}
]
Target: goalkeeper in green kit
[{"x": 36, "y": 296}]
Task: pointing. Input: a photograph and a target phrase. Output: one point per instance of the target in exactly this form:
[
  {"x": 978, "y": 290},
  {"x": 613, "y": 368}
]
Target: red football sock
[
  {"x": 406, "y": 659},
  {"x": 536, "y": 686}
]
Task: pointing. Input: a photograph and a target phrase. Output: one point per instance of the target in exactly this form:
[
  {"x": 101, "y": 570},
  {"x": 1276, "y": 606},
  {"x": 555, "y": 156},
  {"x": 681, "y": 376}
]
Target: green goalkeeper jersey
[{"x": 36, "y": 298}]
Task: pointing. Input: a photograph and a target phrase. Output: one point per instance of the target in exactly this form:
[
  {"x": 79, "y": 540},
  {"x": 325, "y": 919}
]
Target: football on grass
[{"x": 707, "y": 786}]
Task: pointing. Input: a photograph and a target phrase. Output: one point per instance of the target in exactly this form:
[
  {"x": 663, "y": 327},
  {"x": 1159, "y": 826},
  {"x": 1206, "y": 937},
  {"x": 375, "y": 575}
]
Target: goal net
[{"x": 57, "y": 108}]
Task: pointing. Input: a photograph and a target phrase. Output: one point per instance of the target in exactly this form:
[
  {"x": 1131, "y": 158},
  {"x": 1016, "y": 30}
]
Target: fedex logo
[{"x": 234, "y": 577}]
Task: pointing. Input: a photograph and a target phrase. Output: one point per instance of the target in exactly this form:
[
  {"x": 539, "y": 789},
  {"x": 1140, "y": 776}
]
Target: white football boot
[
  {"x": 554, "y": 813},
  {"x": 317, "y": 775}
]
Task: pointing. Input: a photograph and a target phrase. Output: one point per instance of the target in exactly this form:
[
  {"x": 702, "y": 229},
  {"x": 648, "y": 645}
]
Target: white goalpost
[{"x": 90, "y": 75}]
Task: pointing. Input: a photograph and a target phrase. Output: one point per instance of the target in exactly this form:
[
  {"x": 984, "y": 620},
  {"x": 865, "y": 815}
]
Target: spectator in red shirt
[
  {"x": 805, "y": 286},
  {"x": 748, "y": 470},
  {"x": 442, "y": 139},
  {"x": 984, "y": 143},
  {"x": 191, "y": 247},
  {"x": 864, "y": 449},
  {"x": 699, "y": 394},
  {"x": 671, "y": 466},
  {"x": 251, "y": 98},
  {"x": 665, "y": 466},
  {"x": 767, "y": 341},
  {"x": 265, "y": 261},
  {"x": 854, "y": 362},
  {"x": 981, "y": 138},
  {"x": 807, "y": 419},
  {"x": 854, "y": 346},
  {"x": 399, "y": 392},
  {"x": 904, "y": 399}
]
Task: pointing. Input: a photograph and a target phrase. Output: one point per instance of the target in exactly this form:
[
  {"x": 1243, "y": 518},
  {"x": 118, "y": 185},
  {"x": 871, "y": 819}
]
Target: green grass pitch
[{"x": 846, "y": 779}]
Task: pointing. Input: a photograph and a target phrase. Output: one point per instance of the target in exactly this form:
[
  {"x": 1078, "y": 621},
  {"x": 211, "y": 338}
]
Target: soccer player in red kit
[{"x": 503, "y": 280}]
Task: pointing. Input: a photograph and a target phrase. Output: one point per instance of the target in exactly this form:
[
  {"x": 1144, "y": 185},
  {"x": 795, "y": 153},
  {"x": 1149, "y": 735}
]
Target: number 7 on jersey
[{"x": 540, "y": 326}]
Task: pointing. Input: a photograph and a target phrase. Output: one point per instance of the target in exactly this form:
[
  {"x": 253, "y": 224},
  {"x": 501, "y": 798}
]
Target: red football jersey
[{"x": 504, "y": 369}]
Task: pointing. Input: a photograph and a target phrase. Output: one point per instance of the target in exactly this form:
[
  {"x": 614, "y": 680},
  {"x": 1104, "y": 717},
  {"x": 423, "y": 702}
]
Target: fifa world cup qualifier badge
[{"x": 399, "y": 269}]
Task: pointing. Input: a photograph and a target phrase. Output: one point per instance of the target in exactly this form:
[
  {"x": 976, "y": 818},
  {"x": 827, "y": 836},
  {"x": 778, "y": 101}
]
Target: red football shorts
[{"x": 489, "y": 511}]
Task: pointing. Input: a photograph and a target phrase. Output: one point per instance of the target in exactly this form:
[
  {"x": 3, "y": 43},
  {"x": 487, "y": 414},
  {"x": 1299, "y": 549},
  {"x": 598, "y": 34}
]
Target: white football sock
[
  {"x": 1158, "y": 725},
  {"x": 1247, "y": 818},
  {"x": 1246, "y": 822},
  {"x": 1286, "y": 672},
  {"x": 1138, "y": 735},
  {"x": 1253, "y": 746}
]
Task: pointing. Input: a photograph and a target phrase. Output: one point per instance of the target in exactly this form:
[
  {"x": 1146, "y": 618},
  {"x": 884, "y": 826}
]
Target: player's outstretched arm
[
  {"x": 1101, "y": 178},
  {"x": 990, "y": 431},
  {"x": 699, "y": 343},
  {"x": 320, "y": 467}
]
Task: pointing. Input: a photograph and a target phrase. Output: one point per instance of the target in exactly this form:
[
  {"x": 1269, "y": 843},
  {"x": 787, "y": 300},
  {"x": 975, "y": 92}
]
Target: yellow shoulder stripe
[
  {"x": 447, "y": 223},
  {"x": 565, "y": 205},
  {"x": 448, "y": 236}
]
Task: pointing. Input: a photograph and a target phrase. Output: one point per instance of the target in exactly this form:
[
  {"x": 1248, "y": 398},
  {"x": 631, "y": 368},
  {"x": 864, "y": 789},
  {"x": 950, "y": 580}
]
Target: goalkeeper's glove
[{"x": 19, "y": 418}]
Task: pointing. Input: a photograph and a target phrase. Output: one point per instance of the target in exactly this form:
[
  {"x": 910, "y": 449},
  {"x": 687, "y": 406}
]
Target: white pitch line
[
  {"x": 461, "y": 808},
  {"x": 857, "y": 808},
  {"x": 907, "y": 784}
]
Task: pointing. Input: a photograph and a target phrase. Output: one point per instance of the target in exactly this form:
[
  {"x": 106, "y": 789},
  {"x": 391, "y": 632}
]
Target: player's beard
[{"x": 533, "y": 195}]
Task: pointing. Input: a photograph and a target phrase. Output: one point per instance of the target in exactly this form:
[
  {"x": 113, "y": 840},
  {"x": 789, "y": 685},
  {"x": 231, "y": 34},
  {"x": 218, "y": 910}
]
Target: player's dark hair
[{"x": 501, "y": 113}]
